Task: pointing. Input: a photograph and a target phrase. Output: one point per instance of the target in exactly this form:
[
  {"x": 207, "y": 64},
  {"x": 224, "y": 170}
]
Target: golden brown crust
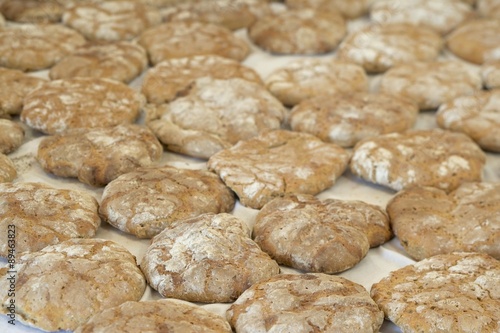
[
  {"x": 32, "y": 11},
  {"x": 477, "y": 41},
  {"x": 350, "y": 9}
]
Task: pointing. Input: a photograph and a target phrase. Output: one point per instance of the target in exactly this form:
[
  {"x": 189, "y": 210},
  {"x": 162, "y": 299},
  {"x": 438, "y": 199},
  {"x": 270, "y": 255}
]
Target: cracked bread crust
[
  {"x": 15, "y": 86},
  {"x": 45, "y": 215},
  {"x": 435, "y": 157},
  {"x": 441, "y": 16},
  {"x": 428, "y": 221},
  {"x": 63, "y": 285},
  {"x": 32, "y": 47},
  {"x": 120, "y": 61},
  {"x": 11, "y": 136},
  {"x": 306, "y": 78},
  {"x": 349, "y": 9},
  {"x": 477, "y": 116},
  {"x": 173, "y": 77},
  {"x": 97, "y": 156},
  {"x": 111, "y": 20},
  {"x": 32, "y": 11},
  {"x": 328, "y": 236},
  {"x": 380, "y": 47},
  {"x": 145, "y": 201},
  {"x": 81, "y": 103},
  {"x": 430, "y": 84},
  {"x": 7, "y": 169},
  {"x": 232, "y": 14},
  {"x": 276, "y": 163},
  {"x": 302, "y": 31},
  {"x": 476, "y": 41},
  {"x": 209, "y": 258},
  {"x": 163, "y": 315},
  {"x": 183, "y": 39},
  {"x": 346, "y": 119},
  {"x": 305, "y": 303},
  {"x": 458, "y": 292},
  {"x": 490, "y": 72},
  {"x": 214, "y": 115}
]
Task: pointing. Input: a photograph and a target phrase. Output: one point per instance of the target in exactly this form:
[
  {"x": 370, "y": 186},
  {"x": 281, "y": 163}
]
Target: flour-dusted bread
[
  {"x": 301, "y": 31},
  {"x": 441, "y": 16},
  {"x": 11, "y": 136},
  {"x": 378, "y": 47},
  {"x": 214, "y": 115},
  {"x": 327, "y": 236},
  {"x": 44, "y": 215},
  {"x": 490, "y": 72},
  {"x": 111, "y": 20},
  {"x": 163, "y": 315},
  {"x": 97, "y": 156},
  {"x": 173, "y": 78},
  {"x": 345, "y": 119},
  {"x": 210, "y": 258},
  {"x": 477, "y": 116},
  {"x": 15, "y": 86},
  {"x": 349, "y": 9},
  {"x": 458, "y": 292},
  {"x": 431, "y": 84},
  {"x": 120, "y": 61},
  {"x": 305, "y": 303},
  {"x": 276, "y": 163},
  {"x": 42, "y": 45},
  {"x": 61, "y": 286},
  {"x": 7, "y": 169},
  {"x": 489, "y": 8},
  {"x": 65, "y": 104},
  {"x": 232, "y": 14},
  {"x": 32, "y": 11},
  {"x": 476, "y": 41},
  {"x": 435, "y": 157},
  {"x": 145, "y": 201},
  {"x": 310, "y": 77},
  {"x": 183, "y": 39},
  {"x": 428, "y": 221}
]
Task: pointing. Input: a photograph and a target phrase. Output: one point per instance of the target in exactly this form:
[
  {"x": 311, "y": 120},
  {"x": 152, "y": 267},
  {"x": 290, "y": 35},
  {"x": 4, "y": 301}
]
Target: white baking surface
[{"x": 376, "y": 265}]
